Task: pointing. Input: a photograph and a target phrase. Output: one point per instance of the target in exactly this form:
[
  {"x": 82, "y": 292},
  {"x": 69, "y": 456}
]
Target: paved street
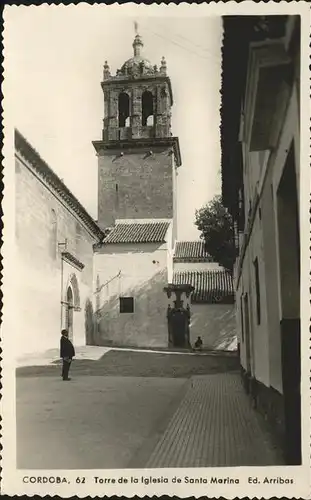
[
  {"x": 133, "y": 409},
  {"x": 141, "y": 364},
  {"x": 215, "y": 426},
  {"x": 91, "y": 422}
]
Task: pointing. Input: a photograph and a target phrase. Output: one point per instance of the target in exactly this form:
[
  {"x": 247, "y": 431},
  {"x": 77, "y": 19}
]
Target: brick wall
[
  {"x": 135, "y": 186},
  {"x": 215, "y": 324},
  {"x": 140, "y": 272},
  {"x": 42, "y": 221}
]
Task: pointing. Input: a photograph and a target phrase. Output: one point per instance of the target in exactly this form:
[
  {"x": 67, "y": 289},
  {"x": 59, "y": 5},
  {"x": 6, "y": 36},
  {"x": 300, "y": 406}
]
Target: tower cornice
[{"x": 120, "y": 145}]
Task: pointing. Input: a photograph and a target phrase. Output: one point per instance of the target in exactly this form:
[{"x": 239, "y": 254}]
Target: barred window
[{"x": 126, "y": 304}]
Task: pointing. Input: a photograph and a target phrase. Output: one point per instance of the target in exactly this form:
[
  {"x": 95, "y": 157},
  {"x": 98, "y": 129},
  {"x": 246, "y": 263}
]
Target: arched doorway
[
  {"x": 69, "y": 312},
  {"x": 71, "y": 303}
]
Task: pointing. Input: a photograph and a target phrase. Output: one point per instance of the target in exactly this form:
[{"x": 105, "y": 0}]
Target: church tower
[{"x": 138, "y": 156}]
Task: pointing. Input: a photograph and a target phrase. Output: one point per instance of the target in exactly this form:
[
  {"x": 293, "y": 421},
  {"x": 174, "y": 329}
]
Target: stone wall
[
  {"x": 135, "y": 129},
  {"x": 135, "y": 186},
  {"x": 43, "y": 221}
]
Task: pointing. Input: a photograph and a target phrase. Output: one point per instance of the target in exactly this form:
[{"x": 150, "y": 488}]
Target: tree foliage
[{"x": 216, "y": 227}]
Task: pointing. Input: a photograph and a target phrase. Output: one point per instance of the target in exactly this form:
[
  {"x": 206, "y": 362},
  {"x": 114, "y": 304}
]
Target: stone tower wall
[
  {"x": 161, "y": 110},
  {"x": 136, "y": 185}
]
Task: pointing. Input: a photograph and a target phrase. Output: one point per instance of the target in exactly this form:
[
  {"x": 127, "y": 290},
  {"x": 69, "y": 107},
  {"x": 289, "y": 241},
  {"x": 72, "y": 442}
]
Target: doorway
[
  {"x": 179, "y": 324},
  {"x": 69, "y": 313},
  {"x": 247, "y": 334}
]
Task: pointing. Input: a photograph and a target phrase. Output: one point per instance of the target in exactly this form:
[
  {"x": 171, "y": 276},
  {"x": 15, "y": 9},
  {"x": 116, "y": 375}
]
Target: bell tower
[{"x": 138, "y": 156}]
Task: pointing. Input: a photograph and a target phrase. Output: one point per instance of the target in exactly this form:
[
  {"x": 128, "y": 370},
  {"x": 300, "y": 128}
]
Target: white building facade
[
  {"x": 212, "y": 301},
  {"x": 54, "y": 238},
  {"x": 261, "y": 172}
]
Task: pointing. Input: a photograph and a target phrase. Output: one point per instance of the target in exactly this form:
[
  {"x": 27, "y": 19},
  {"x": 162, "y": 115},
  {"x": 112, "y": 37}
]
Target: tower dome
[{"x": 137, "y": 65}]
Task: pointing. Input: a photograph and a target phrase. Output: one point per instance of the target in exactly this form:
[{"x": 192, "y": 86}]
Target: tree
[{"x": 216, "y": 226}]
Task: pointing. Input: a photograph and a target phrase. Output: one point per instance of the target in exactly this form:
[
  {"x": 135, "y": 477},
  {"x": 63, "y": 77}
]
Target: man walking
[{"x": 67, "y": 352}]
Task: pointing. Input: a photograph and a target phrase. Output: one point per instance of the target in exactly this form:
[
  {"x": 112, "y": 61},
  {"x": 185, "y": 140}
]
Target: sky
[{"x": 55, "y": 64}]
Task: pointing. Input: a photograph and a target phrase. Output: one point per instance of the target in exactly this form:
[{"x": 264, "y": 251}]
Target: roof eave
[
  {"x": 49, "y": 176},
  {"x": 239, "y": 33}
]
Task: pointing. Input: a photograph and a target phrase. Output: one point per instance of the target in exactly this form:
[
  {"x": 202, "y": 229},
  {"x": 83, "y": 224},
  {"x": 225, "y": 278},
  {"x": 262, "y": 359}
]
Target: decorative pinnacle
[
  {"x": 106, "y": 70},
  {"x": 138, "y": 43},
  {"x": 163, "y": 66}
]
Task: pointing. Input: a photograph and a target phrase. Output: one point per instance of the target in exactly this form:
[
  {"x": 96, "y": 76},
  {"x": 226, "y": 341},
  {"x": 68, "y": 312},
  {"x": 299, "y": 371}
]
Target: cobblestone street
[
  {"x": 139, "y": 410},
  {"x": 215, "y": 426}
]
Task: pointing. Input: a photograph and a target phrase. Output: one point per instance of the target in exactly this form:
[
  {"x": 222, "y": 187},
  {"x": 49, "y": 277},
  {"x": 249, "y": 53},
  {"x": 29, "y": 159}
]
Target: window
[
  {"x": 256, "y": 269},
  {"x": 78, "y": 237},
  {"x": 242, "y": 320},
  {"x": 124, "y": 109},
  {"x": 126, "y": 304},
  {"x": 147, "y": 109}
]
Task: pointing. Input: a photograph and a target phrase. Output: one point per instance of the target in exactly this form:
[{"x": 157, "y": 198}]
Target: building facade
[
  {"x": 132, "y": 267},
  {"x": 261, "y": 171},
  {"x": 212, "y": 299},
  {"x": 54, "y": 256},
  {"x": 138, "y": 159}
]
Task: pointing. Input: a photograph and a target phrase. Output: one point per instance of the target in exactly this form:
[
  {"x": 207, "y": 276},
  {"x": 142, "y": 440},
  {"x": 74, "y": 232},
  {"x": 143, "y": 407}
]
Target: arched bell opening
[
  {"x": 147, "y": 109},
  {"x": 124, "y": 110}
]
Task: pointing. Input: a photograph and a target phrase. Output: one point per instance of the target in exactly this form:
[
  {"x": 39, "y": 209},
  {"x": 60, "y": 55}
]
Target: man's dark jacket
[{"x": 66, "y": 348}]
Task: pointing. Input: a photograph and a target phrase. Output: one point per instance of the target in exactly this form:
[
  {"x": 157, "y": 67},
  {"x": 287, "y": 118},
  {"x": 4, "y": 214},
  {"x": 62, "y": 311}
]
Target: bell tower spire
[
  {"x": 138, "y": 43},
  {"x": 137, "y": 142}
]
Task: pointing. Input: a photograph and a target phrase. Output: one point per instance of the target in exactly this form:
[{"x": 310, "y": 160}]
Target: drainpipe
[{"x": 61, "y": 292}]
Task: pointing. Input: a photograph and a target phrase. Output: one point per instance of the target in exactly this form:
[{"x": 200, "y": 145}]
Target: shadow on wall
[
  {"x": 145, "y": 327},
  {"x": 215, "y": 324},
  {"x": 89, "y": 322}
]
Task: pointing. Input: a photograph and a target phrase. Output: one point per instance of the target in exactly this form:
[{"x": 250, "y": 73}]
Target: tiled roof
[
  {"x": 190, "y": 251},
  {"x": 209, "y": 286},
  {"x": 48, "y": 175},
  {"x": 138, "y": 232}
]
